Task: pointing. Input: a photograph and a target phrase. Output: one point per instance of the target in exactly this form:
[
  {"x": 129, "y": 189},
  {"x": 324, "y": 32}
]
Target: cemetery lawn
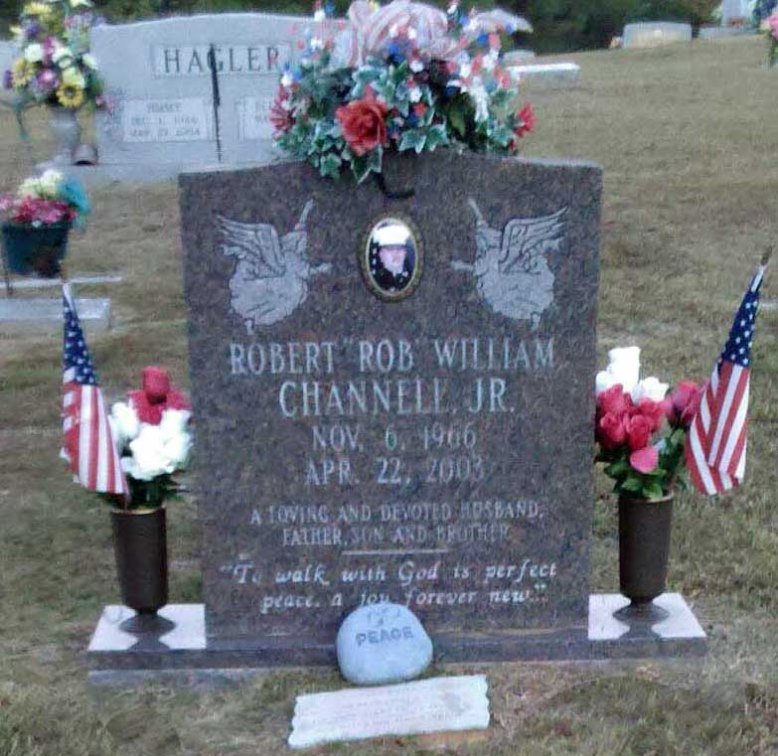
[{"x": 687, "y": 137}]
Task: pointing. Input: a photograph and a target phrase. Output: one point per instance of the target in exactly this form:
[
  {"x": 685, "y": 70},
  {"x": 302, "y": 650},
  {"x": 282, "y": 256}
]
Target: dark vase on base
[
  {"x": 31, "y": 250},
  {"x": 140, "y": 543},
  {"x": 644, "y": 548}
]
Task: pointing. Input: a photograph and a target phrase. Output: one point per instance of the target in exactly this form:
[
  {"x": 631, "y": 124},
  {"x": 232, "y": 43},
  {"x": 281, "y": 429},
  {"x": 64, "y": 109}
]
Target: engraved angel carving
[
  {"x": 511, "y": 270},
  {"x": 271, "y": 278}
]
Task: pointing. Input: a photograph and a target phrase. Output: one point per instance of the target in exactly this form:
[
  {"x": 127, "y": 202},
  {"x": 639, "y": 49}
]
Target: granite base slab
[
  {"x": 36, "y": 315},
  {"x": 175, "y": 647}
]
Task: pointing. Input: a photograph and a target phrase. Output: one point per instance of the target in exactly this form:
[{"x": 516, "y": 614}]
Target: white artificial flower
[
  {"x": 174, "y": 422},
  {"x": 287, "y": 80},
  {"x": 603, "y": 382},
  {"x": 149, "y": 457},
  {"x": 177, "y": 449},
  {"x": 625, "y": 366},
  {"x": 89, "y": 61},
  {"x": 650, "y": 388},
  {"x": 417, "y": 65},
  {"x": 80, "y": 4},
  {"x": 49, "y": 183},
  {"x": 125, "y": 422},
  {"x": 61, "y": 52},
  {"x": 319, "y": 15},
  {"x": 34, "y": 53},
  {"x": 465, "y": 70},
  {"x": 415, "y": 94},
  {"x": 30, "y": 188}
]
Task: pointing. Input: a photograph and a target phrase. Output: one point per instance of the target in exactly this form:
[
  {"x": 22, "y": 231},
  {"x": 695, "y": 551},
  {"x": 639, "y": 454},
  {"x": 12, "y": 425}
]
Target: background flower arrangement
[
  {"x": 151, "y": 432},
  {"x": 772, "y": 39},
  {"x": 640, "y": 428},
  {"x": 403, "y": 77},
  {"x": 55, "y": 67},
  {"x": 46, "y": 200}
]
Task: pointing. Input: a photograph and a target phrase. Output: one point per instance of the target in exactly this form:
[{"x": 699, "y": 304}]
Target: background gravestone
[
  {"x": 158, "y": 76},
  {"x": 435, "y": 451},
  {"x": 655, "y": 34},
  {"x": 7, "y": 56}
]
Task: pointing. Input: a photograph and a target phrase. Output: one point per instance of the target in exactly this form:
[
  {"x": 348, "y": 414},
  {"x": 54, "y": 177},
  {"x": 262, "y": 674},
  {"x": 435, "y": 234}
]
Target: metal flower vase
[
  {"x": 30, "y": 250},
  {"x": 66, "y": 133},
  {"x": 644, "y": 549},
  {"x": 140, "y": 543}
]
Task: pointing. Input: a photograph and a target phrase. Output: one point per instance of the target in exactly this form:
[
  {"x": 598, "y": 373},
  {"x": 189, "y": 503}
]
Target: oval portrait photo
[{"x": 391, "y": 259}]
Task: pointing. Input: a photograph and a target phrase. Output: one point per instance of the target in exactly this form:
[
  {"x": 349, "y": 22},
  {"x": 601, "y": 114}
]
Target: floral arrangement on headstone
[
  {"x": 55, "y": 67},
  {"x": 151, "y": 432},
  {"x": 405, "y": 77},
  {"x": 641, "y": 427},
  {"x": 37, "y": 219}
]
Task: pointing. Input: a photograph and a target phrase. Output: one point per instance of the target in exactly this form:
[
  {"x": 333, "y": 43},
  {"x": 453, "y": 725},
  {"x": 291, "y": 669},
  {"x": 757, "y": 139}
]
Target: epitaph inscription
[{"x": 433, "y": 451}]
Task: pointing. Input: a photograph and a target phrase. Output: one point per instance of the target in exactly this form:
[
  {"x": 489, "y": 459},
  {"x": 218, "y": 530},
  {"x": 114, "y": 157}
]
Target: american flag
[
  {"x": 716, "y": 442},
  {"x": 88, "y": 446}
]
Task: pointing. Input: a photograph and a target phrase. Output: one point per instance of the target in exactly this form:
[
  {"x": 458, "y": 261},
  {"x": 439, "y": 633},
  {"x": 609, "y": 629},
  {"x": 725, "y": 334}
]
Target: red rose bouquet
[{"x": 640, "y": 428}]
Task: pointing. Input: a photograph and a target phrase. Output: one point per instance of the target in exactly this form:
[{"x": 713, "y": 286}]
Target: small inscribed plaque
[{"x": 436, "y": 705}]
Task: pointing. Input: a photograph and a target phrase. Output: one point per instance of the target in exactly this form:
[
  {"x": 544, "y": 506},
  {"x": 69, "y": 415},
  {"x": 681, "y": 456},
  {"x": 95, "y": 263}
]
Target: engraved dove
[
  {"x": 511, "y": 270},
  {"x": 271, "y": 278}
]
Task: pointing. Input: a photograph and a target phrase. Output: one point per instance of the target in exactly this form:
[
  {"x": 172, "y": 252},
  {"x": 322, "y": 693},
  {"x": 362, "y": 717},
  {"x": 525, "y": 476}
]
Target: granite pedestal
[
  {"x": 37, "y": 315},
  {"x": 176, "y": 649}
]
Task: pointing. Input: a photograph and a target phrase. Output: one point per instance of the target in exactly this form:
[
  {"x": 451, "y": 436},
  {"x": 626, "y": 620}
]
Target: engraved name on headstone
[
  {"x": 394, "y": 398},
  {"x": 159, "y": 80}
]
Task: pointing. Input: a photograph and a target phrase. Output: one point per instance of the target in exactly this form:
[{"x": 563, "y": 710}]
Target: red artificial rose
[
  {"x": 363, "y": 123},
  {"x": 613, "y": 401},
  {"x": 684, "y": 403},
  {"x": 638, "y": 431},
  {"x": 611, "y": 432},
  {"x": 653, "y": 411},
  {"x": 526, "y": 118},
  {"x": 644, "y": 460},
  {"x": 156, "y": 396}
]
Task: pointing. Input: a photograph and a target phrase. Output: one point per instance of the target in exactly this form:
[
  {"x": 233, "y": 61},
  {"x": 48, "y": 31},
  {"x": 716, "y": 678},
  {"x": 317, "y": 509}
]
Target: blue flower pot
[{"x": 31, "y": 250}]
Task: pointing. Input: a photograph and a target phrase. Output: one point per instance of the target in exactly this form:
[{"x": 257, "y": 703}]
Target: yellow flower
[
  {"x": 22, "y": 72},
  {"x": 37, "y": 9},
  {"x": 72, "y": 77},
  {"x": 70, "y": 96}
]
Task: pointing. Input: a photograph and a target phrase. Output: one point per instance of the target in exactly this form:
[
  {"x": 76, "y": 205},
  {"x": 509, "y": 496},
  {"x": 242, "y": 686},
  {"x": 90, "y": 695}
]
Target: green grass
[{"x": 688, "y": 140}]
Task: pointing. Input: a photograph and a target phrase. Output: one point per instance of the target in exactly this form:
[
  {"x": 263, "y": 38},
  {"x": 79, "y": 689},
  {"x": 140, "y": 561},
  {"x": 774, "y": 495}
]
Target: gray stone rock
[
  {"x": 382, "y": 643},
  {"x": 540, "y": 76},
  {"x": 22, "y": 316}
]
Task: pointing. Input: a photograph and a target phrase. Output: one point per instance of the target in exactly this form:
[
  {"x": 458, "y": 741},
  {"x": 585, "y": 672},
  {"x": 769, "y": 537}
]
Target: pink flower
[
  {"x": 772, "y": 23},
  {"x": 644, "y": 460}
]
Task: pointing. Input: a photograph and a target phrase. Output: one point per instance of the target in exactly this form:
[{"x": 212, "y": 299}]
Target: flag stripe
[{"x": 717, "y": 439}]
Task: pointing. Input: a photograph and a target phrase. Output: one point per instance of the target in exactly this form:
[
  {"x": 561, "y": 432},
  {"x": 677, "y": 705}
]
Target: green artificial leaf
[
  {"x": 617, "y": 469},
  {"x": 436, "y": 136},
  {"x": 456, "y": 117},
  {"x": 653, "y": 491},
  {"x": 413, "y": 139},
  {"x": 632, "y": 484},
  {"x": 330, "y": 165}
]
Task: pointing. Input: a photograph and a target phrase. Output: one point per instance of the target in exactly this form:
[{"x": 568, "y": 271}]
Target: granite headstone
[
  {"x": 160, "y": 83},
  {"x": 655, "y": 34},
  {"x": 394, "y": 399}
]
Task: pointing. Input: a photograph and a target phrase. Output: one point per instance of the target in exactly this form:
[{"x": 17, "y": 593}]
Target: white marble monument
[{"x": 159, "y": 78}]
